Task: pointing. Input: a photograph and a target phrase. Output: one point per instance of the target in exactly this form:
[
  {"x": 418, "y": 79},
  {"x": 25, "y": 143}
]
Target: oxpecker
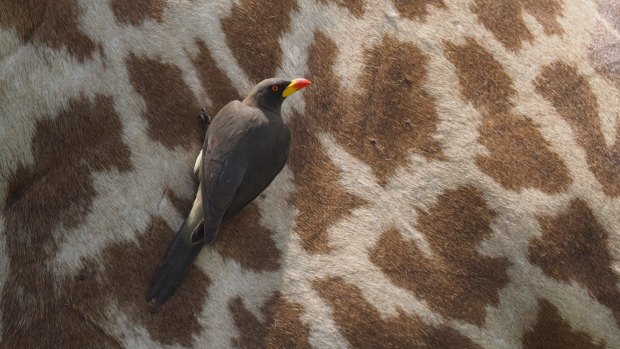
[{"x": 246, "y": 145}]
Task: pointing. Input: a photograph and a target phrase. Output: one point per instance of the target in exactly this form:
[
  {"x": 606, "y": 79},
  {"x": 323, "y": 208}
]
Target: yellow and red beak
[{"x": 294, "y": 86}]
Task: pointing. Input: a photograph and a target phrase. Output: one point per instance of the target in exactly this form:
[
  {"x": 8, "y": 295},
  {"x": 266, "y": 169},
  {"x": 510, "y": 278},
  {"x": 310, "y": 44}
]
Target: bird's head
[{"x": 270, "y": 93}]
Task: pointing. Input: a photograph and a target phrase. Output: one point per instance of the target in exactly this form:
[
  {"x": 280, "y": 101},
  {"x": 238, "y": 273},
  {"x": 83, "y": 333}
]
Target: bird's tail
[{"x": 179, "y": 258}]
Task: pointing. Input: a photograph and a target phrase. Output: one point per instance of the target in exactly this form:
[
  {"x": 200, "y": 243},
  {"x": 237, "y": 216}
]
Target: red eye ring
[{"x": 275, "y": 88}]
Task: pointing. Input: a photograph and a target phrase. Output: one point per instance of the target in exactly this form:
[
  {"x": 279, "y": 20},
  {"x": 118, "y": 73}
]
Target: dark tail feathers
[{"x": 180, "y": 257}]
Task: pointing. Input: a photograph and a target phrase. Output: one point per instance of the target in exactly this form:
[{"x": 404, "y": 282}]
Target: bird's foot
[{"x": 204, "y": 117}]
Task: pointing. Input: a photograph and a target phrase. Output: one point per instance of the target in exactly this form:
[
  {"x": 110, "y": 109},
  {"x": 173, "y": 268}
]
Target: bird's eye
[{"x": 275, "y": 88}]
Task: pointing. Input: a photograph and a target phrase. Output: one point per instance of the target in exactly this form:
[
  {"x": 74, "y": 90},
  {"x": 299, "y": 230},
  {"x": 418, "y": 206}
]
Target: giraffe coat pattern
[{"x": 452, "y": 179}]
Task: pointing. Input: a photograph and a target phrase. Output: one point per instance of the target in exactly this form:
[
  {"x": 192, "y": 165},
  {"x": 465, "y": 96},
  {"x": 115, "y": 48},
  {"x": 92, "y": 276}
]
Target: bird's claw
[{"x": 204, "y": 116}]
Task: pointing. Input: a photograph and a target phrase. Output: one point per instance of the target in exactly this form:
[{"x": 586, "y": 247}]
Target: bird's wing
[
  {"x": 223, "y": 168},
  {"x": 220, "y": 183}
]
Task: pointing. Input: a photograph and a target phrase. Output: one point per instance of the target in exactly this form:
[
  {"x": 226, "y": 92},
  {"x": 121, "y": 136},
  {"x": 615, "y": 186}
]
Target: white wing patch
[{"x": 198, "y": 162}]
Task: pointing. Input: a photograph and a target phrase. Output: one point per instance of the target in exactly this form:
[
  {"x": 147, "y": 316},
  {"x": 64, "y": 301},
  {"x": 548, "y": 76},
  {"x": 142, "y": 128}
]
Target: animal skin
[{"x": 453, "y": 179}]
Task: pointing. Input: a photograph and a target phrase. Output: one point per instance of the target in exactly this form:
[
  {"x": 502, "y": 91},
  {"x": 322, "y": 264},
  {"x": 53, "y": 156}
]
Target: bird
[{"x": 246, "y": 145}]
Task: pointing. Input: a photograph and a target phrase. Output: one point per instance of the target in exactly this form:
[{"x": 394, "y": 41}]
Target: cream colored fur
[{"x": 39, "y": 81}]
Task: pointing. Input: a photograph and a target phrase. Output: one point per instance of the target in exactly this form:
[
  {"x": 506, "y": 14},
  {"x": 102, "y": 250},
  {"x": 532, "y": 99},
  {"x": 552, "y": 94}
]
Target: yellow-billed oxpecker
[{"x": 246, "y": 145}]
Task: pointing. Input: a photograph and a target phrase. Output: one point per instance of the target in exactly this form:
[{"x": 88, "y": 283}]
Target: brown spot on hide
[
  {"x": 245, "y": 240},
  {"x": 401, "y": 121},
  {"x": 553, "y": 332},
  {"x": 182, "y": 205},
  {"x": 391, "y": 118},
  {"x": 136, "y": 12},
  {"x": 504, "y": 18},
  {"x": 482, "y": 79},
  {"x": 217, "y": 84},
  {"x": 55, "y": 192},
  {"x": 282, "y": 327},
  {"x": 394, "y": 115},
  {"x": 37, "y": 319},
  {"x": 171, "y": 108},
  {"x": 54, "y": 23},
  {"x": 362, "y": 324},
  {"x": 253, "y": 31},
  {"x": 519, "y": 156},
  {"x": 57, "y": 189},
  {"x": 573, "y": 99},
  {"x": 416, "y": 9},
  {"x": 546, "y": 13},
  {"x": 574, "y": 247},
  {"x": 77, "y": 318},
  {"x": 457, "y": 280},
  {"x": 320, "y": 199},
  {"x": 355, "y": 6},
  {"x": 128, "y": 268},
  {"x": 604, "y": 53}
]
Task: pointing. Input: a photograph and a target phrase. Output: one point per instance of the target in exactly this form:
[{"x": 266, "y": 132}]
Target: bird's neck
[
  {"x": 275, "y": 112},
  {"x": 269, "y": 109}
]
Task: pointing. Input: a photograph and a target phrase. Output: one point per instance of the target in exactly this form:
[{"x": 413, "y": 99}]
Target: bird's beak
[{"x": 294, "y": 86}]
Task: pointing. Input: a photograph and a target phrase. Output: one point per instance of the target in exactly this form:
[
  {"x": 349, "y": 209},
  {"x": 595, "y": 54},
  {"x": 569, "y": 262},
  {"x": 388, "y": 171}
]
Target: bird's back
[
  {"x": 269, "y": 151},
  {"x": 256, "y": 137}
]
